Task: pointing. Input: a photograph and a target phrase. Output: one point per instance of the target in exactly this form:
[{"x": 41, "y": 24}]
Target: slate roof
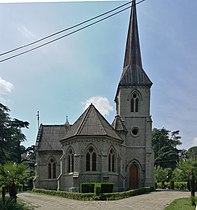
[
  {"x": 118, "y": 124},
  {"x": 91, "y": 123},
  {"x": 49, "y": 136},
  {"x": 133, "y": 73}
]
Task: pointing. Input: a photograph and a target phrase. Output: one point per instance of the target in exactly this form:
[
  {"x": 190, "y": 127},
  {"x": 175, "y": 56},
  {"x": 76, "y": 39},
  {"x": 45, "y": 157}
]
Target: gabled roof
[
  {"x": 133, "y": 73},
  {"x": 118, "y": 124},
  {"x": 91, "y": 123},
  {"x": 49, "y": 136}
]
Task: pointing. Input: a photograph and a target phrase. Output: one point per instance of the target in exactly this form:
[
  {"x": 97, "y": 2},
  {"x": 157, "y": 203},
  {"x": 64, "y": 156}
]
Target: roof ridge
[
  {"x": 104, "y": 120},
  {"x": 84, "y": 119}
]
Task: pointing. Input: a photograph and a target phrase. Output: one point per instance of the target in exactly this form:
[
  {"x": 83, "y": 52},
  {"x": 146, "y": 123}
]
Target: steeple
[{"x": 133, "y": 73}]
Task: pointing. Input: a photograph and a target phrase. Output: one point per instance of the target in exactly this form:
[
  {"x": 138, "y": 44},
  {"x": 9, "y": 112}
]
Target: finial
[{"x": 67, "y": 122}]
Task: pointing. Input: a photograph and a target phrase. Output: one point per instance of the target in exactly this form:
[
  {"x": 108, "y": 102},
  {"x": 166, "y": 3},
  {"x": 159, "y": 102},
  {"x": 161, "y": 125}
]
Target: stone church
[{"x": 92, "y": 150}]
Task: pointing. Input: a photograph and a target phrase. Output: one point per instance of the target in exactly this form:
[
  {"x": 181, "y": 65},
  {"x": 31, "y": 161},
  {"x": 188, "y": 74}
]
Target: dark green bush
[
  {"x": 93, "y": 196},
  {"x": 11, "y": 205},
  {"x": 91, "y": 187},
  {"x": 87, "y": 188},
  {"x": 70, "y": 195},
  {"x": 107, "y": 187},
  {"x": 126, "y": 194}
]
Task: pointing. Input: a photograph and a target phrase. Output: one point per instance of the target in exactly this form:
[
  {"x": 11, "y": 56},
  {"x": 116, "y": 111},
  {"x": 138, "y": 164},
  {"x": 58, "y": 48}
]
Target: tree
[
  {"x": 11, "y": 136},
  {"x": 17, "y": 172},
  {"x": 161, "y": 174},
  {"x": 165, "y": 144},
  {"x": 182, "y": 170},
  {"x": 192, "y": 153}
]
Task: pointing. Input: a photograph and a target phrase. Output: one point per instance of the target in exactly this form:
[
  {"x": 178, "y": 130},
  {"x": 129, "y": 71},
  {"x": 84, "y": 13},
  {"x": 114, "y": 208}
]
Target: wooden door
[{"x": 133, "y": 176}]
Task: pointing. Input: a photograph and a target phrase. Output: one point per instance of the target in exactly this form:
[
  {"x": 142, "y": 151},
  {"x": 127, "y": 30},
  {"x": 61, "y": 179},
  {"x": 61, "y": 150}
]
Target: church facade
[{"x": 91, "y": 150}]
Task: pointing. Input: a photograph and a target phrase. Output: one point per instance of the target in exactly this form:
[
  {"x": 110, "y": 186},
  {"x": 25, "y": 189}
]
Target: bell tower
[{"x": 133, "y": 106}]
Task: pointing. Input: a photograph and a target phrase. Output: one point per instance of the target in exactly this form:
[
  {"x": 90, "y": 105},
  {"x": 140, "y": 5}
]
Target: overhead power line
[{"x": 64, "y": 30}]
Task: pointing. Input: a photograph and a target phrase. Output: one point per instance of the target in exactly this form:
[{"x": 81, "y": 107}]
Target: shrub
[
  {"x": 107, "y": 188},
  {"x": 91, "y": 187},
  {"x": 69, "y": 195},
  {"x": 87, "y": 188},
  {"x": 176, "y": 186},
  {"x": 11, "y": 205},
  {"x": 93, "y": 196}
]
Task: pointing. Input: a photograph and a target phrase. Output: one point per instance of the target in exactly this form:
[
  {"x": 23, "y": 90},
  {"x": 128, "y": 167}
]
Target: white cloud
[
  {"x": 101, "y": 103},
  {"x": 5, "y": 87},
  {"x": 194, "y": 142}
]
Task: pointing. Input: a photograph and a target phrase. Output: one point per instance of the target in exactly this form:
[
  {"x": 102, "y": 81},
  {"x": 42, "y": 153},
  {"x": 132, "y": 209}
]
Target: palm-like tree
[{"x": 17, "y": 172}]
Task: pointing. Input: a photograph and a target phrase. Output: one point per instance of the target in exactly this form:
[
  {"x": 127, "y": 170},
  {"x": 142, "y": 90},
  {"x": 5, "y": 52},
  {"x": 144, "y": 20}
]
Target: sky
[{"x": 64, "y": 77}]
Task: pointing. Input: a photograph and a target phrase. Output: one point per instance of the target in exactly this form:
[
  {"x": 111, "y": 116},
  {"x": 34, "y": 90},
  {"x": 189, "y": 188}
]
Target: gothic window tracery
[
  {"x": 111, "y": 161},
  {"x": 91, "y": 159},
  {"x": 70, "y": 161},
  {"x": 135, "y": 102},
  {"x": 52, "y": 168}
]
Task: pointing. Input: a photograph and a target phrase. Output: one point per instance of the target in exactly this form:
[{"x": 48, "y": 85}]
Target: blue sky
[{"x": 62, "y": 78}]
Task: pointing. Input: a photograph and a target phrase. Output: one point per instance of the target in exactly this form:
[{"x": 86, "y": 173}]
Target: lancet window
[
  {"x": 52, "y": 168},
  {"x": 91, "y": 159},
  {"x": 134, "y": 102},
  {"x": 70, "y": 161},
  {"x": 111, "y": 161}
]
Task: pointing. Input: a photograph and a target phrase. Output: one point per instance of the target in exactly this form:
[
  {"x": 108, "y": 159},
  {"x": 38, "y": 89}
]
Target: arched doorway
[{"x": 133, "y": 176}]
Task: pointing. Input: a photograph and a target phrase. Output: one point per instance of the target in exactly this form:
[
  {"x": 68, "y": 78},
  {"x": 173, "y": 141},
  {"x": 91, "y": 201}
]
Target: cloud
[
  {"x": 5, "y": 87},
  {"x": 101, "y": 103},
  {"x": 194, "y": 142}
]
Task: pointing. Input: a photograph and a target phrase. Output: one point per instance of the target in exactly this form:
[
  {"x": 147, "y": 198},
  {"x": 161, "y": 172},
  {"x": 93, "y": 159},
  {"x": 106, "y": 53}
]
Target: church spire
[
  {"x": 133, "y": 73},
  {"x": 132, "y": 52}
]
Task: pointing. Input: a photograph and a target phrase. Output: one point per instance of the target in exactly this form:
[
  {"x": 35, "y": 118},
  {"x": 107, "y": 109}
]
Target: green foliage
[
  {"x": 182, "y": 170},
  {"x": 107, "y": 187},
  {"x": 161, "y": 173},
  {"x": 92, "y": 196},
  {"x": 70, "y": 195},
  {"x": 192, "y": 153},
  {"x": 11, "y": 136},
  {"x": 87, "y": 188},
  {"x": 126, "y": 194},
  {"x": 181, "y": 204},
  {"x": 91, "y": 187},
  {"x": 18, "y": 172},
  {"x": 164, "y": 144},
  {"x": 177, "y": 185},
  {"x": 10, "y": 205}
]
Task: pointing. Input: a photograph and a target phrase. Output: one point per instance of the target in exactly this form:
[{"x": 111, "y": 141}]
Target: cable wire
[
  {"x": 49, "y": 42},
  {"x": 67, "y": 29}
]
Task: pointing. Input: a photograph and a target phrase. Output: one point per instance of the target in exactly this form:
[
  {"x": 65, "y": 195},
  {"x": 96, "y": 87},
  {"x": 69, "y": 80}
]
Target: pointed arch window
[
  {"x": 91, "y": 159},
  {"x": 52, "y": 168},
  {"x": 111, "y": 161},
  {"x": 70, "y": 161},
  {"x": 134, "y": 102}
]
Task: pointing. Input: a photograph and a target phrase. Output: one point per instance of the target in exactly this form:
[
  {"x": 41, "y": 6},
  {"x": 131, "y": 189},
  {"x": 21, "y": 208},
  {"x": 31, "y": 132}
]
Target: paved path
[{"x": 152, "y": 201}]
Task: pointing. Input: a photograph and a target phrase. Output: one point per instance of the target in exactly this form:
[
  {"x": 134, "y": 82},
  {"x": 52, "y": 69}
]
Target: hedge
[
  {"x": 93, "y": 196},
  {"x": 93, "y": 187},
  {"x": 170, "y": 185}
]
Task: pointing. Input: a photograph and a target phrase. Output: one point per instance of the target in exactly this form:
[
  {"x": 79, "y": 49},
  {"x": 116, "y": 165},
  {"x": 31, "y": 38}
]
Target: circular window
[{"x": 135, "y": 131}]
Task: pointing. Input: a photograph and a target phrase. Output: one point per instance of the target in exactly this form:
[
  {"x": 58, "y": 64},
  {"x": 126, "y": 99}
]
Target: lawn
[{"x": 181, "y": 204}]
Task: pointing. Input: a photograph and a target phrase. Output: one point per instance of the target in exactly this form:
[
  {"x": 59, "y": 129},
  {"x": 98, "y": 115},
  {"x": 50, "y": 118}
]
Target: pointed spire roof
[
  {"x": 92, "y": 123},
  {"x": 133, "y": 73}
]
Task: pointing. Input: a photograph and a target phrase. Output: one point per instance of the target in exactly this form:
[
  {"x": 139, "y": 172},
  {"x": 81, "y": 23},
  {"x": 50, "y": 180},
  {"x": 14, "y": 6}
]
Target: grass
[{"x": 181, "y": 204}]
